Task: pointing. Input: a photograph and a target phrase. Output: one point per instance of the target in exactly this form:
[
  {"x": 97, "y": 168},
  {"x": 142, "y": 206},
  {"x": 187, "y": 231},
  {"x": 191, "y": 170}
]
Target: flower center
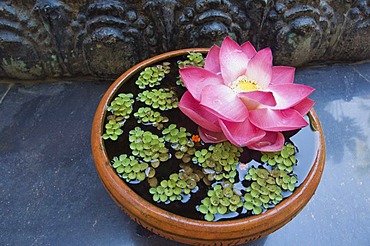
[{"x": 243, "y": 84}]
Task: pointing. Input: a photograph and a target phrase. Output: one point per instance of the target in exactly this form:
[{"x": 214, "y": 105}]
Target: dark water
[{"x": 305, "y": 140}]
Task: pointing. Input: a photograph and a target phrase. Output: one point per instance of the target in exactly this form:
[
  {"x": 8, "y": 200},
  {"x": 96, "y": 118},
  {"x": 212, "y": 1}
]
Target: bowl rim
[{"x": 139, "y": 209}]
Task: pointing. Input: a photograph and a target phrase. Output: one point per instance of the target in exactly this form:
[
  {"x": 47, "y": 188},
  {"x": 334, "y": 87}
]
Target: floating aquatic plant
[
  {"x": 180, "y": 141},
  {"x": 167, "y": 190},
  {"x": 162, "y": 99},
  {"x": 266, "y": 189},
  {"x": 147, "y": 115},
  {"x": 219, "y": 161},
  {"x": 195, "y": 59},
  {"x": 220, "y": 200},
  {"x": 284, "y": 159},
  {"x": 112, "y": 129},
  {"x": 122, "y": 105},
  {"x": 152, "y": 76},
  {"x": 178, "y": 186},
  {"x": 148, "y": 146},
  {"x": 129, "y": 168}
]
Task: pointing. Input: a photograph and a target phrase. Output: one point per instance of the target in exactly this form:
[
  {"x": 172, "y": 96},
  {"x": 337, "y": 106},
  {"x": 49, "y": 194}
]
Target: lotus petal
[
  {"x": 196, "y": 78},
  {"x": 241, "y": 133},
  {"x": 272, "y": 141},
  {"x": 202, "y": 117},
  {"x": 304, "y": 106},
  {"x": 288, "y": 95},
  {"x": 248, "y": 49},
  {"x": 212, "y": 60},
  {"x": 277, "y": 120},
  {"x": 260, "y": 68},
  {"x": 223, "y": 102},
  {"x": 282, "y": 75},
  {"x": 211, "y": 137},
  {"x": 253, "y": 99},
  {"x": 233, "y": 60}
]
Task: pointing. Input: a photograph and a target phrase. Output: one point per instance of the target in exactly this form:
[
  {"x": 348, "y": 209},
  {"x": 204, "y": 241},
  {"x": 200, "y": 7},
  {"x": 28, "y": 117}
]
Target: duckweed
[
  {"x": 284, "y": 159},
  {"x": 112, "y": 130},
  {"x": 180, "y": 141},
  {"x": 147, "y": 115},
  {"x": 129, "y": 168},
  {"x": 162, "y": 99},
  {"x": 122, "y": 105},
  {"x": 220, "y": 200},
  {"x": 178, "y": 185},
  {"x": 152, "y": 76},
  {"x": 219, "y": 161},
  {"x": 195, "y": 59},
  {"x": 148, "y": 146},
  {"x": 266, "y": 189}
]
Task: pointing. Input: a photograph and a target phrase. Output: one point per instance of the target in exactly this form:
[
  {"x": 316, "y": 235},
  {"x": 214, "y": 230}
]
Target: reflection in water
[{"x": 351, "y": 130}]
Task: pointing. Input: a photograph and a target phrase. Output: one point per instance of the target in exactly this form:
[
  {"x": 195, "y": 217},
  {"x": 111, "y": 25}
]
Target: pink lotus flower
[{"x": 241, "y": 97}]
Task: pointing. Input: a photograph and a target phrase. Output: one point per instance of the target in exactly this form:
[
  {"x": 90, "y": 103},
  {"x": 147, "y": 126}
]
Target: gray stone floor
[{"x": 50, "y": 193}]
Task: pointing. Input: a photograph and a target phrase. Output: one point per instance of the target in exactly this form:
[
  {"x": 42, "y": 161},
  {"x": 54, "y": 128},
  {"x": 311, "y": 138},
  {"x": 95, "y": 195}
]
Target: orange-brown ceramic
[{"x": 192, "y": 231}]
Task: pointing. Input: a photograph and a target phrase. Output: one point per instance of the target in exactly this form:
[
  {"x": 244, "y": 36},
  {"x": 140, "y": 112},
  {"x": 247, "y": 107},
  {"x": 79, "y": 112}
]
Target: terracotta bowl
[{"x": 187, "y": 230}]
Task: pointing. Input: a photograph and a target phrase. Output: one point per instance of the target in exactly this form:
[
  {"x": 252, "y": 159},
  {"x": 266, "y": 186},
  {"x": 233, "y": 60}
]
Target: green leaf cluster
[
  {"x": 162, "y": 99},
  {"x": 219, "y": 161},
  {"x": 152, "y": 76},
  {"x": 266, "y": 189},
  {"x": 147, "y": 115},
  {"x": 180, "y": 141},
  {"x": 195, "y": 59},
  {"x": 122, "y": 105},
  {"x": 284, "y": 159},
  {"x": 148, "y": 146},
  {"x": 174, "y": 188},
  {"x": 129, "y": 168},
  {"x": 220, "y": 200},
  {"x": 112, "y": 129}
]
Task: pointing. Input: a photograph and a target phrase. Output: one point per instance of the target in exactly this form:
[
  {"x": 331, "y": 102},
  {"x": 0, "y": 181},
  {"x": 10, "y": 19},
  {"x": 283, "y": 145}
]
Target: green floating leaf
[
  {"x": 209, "y": 217},
  {"x": 152, "y": 97},
  {"x": 152, "y": 76}
]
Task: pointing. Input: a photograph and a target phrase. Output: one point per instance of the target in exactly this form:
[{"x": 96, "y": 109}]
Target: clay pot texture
[{"x": 191, "y": 231}]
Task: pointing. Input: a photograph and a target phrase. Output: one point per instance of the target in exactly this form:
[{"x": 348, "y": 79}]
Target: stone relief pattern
[
  {"x": 21, "y": 43},
  {"x": 355, "y": 30},
  {"x": 41, "y": 39},
  {"x": 209, "y": 21},
  {"x": 112, "y": 37},
  {"x": 300, "y": 33}
]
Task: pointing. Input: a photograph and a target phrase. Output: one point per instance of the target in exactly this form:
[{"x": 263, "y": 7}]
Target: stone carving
[
  {"x": 111, "y": 38},
  {"x": 209, "y": 21},
  {"x": 299, "y": 32},
  {"x": 56, "y": 18},
  {"x": 258, "y": 12},
  {"x": 42, "y": 39},
  {"x": 162, "y": 14},
  {"x": 353, "y": 41},
  {"x": 20, "y": 37}
]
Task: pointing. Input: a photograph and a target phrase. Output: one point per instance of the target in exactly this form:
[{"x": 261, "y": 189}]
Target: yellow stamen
[
  {"x": 247, "y": 86},
  {"x": 243, "y": 84}
]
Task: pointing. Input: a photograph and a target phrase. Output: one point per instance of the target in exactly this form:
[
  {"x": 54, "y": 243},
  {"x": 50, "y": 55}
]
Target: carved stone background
[{"x": 45, "y": 39}]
